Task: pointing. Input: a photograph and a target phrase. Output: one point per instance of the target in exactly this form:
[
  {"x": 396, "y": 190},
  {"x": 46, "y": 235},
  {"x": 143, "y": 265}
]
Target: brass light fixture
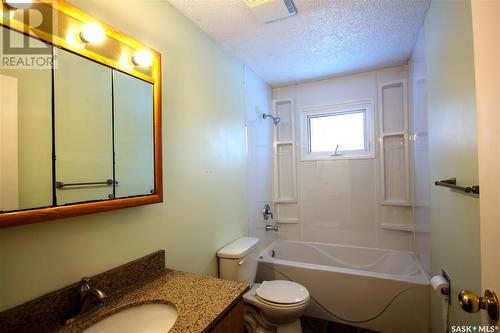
[{"x": 92, "y": 33}]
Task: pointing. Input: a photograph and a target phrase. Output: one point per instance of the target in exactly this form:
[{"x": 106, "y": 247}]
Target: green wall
[
  {"x": 204, "y": 170},
  {"x": 452, "y": 153}
]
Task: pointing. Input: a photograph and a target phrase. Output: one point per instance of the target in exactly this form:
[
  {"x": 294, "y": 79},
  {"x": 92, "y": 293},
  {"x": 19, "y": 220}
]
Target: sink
[{"x": 151, "y": 318}]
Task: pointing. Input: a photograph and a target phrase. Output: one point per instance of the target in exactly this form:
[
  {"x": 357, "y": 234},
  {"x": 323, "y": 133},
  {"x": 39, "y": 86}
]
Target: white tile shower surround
[
  {"x": 260, "y": 154},
  {"x": 339, "y": 201},
  {"x": 419, "y": 130}
]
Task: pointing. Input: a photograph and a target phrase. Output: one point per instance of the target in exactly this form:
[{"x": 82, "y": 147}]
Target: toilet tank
[{"x": 238, "y": 260}]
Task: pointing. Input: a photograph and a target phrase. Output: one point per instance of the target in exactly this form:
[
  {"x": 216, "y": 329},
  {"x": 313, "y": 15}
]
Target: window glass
[{"x": 343, "y": 130}]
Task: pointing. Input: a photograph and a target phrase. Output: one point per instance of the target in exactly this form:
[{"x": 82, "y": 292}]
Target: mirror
[
  {"x": 83, "y": 129},
  {"x": 134, "y": 147},
  {"x": 81, "y": 134},
  {"x": 25, "y": 134}
]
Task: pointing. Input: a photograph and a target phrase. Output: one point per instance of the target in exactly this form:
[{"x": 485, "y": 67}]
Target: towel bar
[
  {"x": 452, "y": 183},
  {"x": 108, "y": 182}
]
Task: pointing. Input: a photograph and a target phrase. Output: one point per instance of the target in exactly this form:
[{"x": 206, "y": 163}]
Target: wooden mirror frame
[{"x": 109, "y": 55}]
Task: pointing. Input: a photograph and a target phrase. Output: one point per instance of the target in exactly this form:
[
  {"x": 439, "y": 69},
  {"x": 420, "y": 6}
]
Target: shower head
[{"x": 276, "y": 120}]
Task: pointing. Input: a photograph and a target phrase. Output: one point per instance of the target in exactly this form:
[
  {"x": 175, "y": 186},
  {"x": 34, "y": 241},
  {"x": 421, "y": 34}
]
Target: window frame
[{"x": 338, "y": 109}]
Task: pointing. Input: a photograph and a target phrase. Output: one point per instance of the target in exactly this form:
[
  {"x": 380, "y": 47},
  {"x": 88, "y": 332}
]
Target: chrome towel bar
[
  {"x": 108, "y": 182},
  {"x": 452, "y": 183}
]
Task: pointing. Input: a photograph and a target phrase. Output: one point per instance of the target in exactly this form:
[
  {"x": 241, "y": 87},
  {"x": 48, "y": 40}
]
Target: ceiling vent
[{"x": 271, "y": 10}]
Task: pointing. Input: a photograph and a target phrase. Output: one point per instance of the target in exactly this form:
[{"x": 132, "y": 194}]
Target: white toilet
[{"x": 272, "y": 306}]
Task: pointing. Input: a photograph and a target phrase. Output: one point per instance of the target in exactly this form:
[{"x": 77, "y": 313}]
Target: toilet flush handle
[{"x": 242, "y": 261}]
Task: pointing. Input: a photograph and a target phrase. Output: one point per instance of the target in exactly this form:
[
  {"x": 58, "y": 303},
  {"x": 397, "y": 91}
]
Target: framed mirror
[{"x": 80, "y": 115}]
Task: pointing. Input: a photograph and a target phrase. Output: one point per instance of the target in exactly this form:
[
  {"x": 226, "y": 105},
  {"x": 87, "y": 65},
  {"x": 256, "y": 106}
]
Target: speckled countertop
[{"x": 199, "y": 300}]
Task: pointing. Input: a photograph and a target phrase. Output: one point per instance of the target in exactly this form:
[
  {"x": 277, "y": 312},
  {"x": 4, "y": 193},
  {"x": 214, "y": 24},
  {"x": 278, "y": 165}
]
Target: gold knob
[
  {"x": 469, "y": 301},
  {"x": 472, "y": 303}
]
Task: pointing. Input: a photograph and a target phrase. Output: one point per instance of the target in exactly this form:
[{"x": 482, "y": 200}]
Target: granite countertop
[{"x": 199, "y": 300}]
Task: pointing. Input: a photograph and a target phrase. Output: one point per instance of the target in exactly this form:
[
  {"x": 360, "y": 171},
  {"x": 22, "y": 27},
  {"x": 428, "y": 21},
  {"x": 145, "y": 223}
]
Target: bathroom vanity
[{"x": 202, "y": 303}]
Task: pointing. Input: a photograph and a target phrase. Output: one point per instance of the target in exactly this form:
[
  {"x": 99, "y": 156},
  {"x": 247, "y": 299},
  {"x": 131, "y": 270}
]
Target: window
[{"x": 338, "y": 132}]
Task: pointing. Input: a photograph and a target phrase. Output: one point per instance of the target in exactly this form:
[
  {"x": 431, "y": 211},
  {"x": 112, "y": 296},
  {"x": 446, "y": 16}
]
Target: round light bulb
[
  {"x": 18, "y": 4},
  {"x": 73, "y": 40},
  {"x": 142, "y": 58},
  {"x": 125, "y": 62},
  {"x": 92, "y": 33}
]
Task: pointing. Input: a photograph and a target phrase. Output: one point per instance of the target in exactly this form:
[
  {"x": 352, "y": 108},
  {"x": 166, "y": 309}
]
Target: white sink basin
[{"x": 151, "y": 318}]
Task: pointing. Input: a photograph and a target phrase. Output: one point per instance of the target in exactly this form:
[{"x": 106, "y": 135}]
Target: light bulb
[
  {"x": 92, "y": 33},
  {"x": 142, "y": 58},
  {"x": 73, "y": 40},
  {"x": 125, "y": 62},
  {"x": 18, "y": 4}
]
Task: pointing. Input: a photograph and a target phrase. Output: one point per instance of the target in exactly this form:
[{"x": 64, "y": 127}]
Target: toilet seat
[
  {"x": 282, "y": 293},
  {"x": 279, "y": 305}
]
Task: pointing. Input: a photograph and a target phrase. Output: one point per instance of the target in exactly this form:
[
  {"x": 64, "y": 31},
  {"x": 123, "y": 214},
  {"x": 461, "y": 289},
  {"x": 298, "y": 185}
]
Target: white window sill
[{"x": 334, "y": 158}]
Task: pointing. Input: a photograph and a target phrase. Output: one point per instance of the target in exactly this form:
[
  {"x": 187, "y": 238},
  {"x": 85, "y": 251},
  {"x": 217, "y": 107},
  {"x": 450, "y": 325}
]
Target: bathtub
[{"x": 377, "y": 289}]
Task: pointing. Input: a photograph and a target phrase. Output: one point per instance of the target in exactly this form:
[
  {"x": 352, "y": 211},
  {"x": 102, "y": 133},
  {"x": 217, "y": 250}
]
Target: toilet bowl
[
  {"x": 272, "y": 306},
  {"x": 284, "y": 316}
]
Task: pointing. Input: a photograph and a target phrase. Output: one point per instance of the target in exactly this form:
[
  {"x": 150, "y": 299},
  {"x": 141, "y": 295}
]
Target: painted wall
[
  {"x": 204, "y": 170},
  {"x": 452, "y": 152},
  {"x": 420, "y": 143},
  {"x": 339, "y": 200},
  {"x": 260, "y": 154}
]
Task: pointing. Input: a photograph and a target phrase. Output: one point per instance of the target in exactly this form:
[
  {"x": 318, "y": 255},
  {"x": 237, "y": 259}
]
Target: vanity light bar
[
  {"x": 83, "y": 35},
  {"x": 142, "y": 58},
  {"x": 93, "y": 33},
  {"x": 18, "y": 4}
]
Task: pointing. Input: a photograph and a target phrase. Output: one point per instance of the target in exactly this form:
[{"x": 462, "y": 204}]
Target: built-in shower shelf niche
[
  {"x": 285, "y": 131},
  {"x": 394, "y": 147},
  {"x": 286, "y": 213},
  {"x": 284, "y": 173}
]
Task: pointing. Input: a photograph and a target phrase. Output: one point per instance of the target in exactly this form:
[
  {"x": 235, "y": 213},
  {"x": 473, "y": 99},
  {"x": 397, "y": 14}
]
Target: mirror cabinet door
[
  {"x": 134, "y": 148},
  {"x": 25, "y": 132},
  {"x": 83, "y": 129},
  {"x": 75, "y": 132}
]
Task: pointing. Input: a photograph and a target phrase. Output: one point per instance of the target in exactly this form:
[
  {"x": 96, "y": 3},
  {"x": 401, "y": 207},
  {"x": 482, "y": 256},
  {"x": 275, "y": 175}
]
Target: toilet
[{"x": 271, "y": 306}]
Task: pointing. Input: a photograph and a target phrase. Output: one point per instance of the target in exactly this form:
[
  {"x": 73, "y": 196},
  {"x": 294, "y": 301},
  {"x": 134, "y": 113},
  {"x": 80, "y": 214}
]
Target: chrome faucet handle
[{"x": 267, "y": 213}]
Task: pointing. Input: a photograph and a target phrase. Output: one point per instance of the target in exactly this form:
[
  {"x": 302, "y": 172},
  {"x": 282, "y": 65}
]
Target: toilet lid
[{"x": 283, "y": 292}]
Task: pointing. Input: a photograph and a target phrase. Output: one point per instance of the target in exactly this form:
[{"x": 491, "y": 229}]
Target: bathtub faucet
[
  {"x": 271, "y": 227},
  {"x": 267, "y": 213}
]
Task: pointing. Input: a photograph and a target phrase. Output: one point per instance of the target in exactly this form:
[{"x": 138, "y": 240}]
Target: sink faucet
[{"x": 89, "y": 299}]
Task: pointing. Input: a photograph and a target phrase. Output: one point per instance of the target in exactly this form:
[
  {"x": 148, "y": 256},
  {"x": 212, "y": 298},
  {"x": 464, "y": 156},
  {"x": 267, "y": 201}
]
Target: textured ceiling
[{"x": 325, "y": 38}]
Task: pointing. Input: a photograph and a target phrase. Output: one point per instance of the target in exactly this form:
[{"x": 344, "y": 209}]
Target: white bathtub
[{"x": 382, "y": 290}]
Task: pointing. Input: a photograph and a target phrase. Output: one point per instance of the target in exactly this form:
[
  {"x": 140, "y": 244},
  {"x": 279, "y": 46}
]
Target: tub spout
[{"x": 271, "y": 227}]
